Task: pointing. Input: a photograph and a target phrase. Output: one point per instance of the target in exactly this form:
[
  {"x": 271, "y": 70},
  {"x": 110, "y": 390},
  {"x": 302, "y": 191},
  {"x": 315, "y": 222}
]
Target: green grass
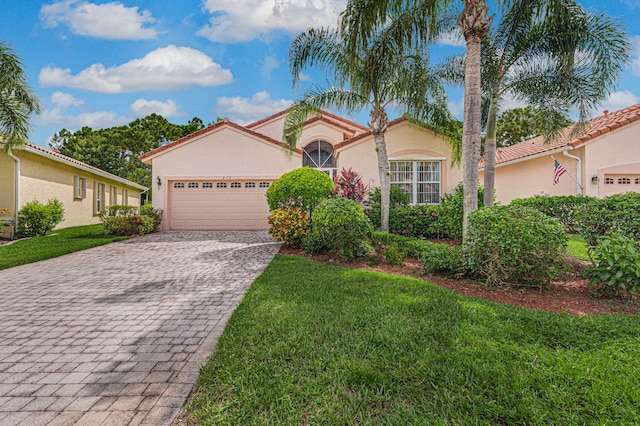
[
  {"x": 318, "y": 344},
  {"x": 577, "y": 247},
  {"x": 64, "y": 241}
]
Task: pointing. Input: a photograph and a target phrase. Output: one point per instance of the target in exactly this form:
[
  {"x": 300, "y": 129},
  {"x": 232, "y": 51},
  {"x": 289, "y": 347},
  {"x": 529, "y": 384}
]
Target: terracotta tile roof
[
  {"x": 72, "y": 161},
  {"x": 222, "y": 123},
  {"x": 321, "y": 113},
  {"x": 595, "y": 127},
  {"x": 366, "y": 134}
]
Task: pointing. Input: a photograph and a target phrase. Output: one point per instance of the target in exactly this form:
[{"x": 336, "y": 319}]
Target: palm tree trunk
[
  {"x": 474, "y": 23},
  {"x": 378, "y": 125},
  {"x": 490, "y": 154}
]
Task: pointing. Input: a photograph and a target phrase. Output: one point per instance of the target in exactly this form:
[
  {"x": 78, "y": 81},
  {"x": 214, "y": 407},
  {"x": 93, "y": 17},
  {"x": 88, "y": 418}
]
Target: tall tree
[
  {"x": 519, "y": 124},
  {"x": 17, "y": 101},
  {"x": 552, "y": 55},
  {"x": 374, "y": 75}
]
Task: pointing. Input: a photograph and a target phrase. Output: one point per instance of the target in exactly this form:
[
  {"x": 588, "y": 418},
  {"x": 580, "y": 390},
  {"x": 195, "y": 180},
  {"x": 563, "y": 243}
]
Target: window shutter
[
  {"x": 95, "y": 197},
  {"x": 84, "y": 188}
]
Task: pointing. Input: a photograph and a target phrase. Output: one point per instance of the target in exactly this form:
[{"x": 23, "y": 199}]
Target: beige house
[
  {"x": 602, "y": 160},
  {"x": 35, "y": 173},
  {"x": 216, "y": 178}
]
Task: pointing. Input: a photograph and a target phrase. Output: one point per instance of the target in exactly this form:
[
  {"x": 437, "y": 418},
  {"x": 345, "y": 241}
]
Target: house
[
  {"x": 216, "y": 178},
  {"x": 35, "y": 173},
  {"x": 601, "y": 160}
]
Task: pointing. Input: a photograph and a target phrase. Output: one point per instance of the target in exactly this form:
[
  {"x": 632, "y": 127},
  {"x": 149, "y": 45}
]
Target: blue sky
[{"x": 102, "y": 63}]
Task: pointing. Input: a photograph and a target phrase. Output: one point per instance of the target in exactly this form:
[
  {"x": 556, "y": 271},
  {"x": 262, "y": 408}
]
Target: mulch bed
[{"x": 572, "y": 296}]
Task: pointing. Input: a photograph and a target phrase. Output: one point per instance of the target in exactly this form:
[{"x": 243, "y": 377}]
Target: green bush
[
  {"x": 124, "y": 220},
  {"x": 395, "y": 255},
  {"x": 515, "y": 245},
  {"x": 303, "y": 188},
  {"x": 449, "y": 223},
  {"x": 437, "y": 257},
  {"x": 397, "y": 198},
  {"x": 617, "y": 266},
  {"x": 618, "y": 213},
  {"x": 339, "y": 225},
  {"x": 35, "y": 218},
  {"x": 563, "y": 207},
  {"x": 155, "y": 214},
  {"x": 417, "y": 221},
  {"x": 289, "y": 226}
]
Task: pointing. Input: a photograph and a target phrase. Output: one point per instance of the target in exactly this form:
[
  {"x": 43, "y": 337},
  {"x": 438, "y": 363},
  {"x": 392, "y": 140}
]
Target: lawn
[
  {"x": 318, "y": 344},
  {"x": 577, "y": 247},
  {"x": 64, "y": 241}
]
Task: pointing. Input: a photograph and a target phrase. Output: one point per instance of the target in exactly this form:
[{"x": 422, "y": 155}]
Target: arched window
[{"x": 319, "y": 155}]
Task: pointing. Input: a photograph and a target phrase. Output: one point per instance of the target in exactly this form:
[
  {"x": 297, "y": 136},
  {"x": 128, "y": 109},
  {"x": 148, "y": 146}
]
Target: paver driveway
[{"x": 116, "y": 334}]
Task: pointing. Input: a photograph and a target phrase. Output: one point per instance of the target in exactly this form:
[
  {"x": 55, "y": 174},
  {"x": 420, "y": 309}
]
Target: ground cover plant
[
  {"x": 318, "y": 344},
  {"x": 64, "y": 241}
]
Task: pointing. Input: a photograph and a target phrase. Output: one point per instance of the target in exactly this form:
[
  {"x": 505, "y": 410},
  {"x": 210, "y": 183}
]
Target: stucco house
[
  {"x": 35, "y": 173},
  {"x": 216, "y": 178},
  {"x": 602, "y": 160}
]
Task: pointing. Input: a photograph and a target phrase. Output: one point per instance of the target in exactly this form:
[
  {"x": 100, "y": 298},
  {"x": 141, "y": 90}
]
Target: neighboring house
[
  {"x": 602, "y": 160},
  {"x": 43, "y": 174},
  {"x": 216, "y": 178}
]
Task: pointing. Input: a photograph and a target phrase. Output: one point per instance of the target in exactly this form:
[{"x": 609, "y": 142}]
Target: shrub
[
  {"x": 35, "y": 218},
  {"x": 395, "y": 255},
  {"x": 348, "y": 184},
  {"x": 398, "y": 198},
  {"x": 514, "y": 244},
  {"x": 155, "y": 214},
  {"x": 449, "y": 223},
  {"x": 289, "y": 226},
  {"x": 437, "y": 257},
  {"x": 124, "y": 220},
  {"x": 303, "y": 188},
  {"x": 617, "y": 266},
  {"x": 417, "y": 221},
  {"x": 563, "y": 208},
  {"x": 339, "y": 225},
  {"x": 618, "y": 213}
]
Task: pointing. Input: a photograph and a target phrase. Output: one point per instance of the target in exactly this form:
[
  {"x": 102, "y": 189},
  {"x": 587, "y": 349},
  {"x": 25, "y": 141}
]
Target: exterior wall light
[
  {"x": 595, "y": 179},
  {"x": 159, "y": 181}
]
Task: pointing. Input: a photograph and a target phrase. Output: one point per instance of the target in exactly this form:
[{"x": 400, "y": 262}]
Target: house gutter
[
  {"x": 17, "y": 192},
  {"x": 531, "y": 157},
  {"x": 579, "y": 170}
]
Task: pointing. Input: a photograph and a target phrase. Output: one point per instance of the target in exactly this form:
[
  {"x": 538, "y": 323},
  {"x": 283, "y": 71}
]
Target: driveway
[{"x": 115, "y": 335}]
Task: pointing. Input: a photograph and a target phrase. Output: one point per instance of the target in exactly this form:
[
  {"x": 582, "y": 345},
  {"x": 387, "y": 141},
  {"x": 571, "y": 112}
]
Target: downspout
[
  {"x": 579, "y": 172},
  {"x": 17, "y": 193}
]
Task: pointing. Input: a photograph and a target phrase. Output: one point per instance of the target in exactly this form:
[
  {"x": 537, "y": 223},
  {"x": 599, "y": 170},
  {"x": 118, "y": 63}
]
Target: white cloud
[
  {"x": 619, "y": 100},
  {"x": 456, "y": 108},
  {"x": 245, "y": 110},
  {"x": 304, "y": 77},
  {"x": 143, "y": 107},
  {"x": 270, "y": 64},
  {"x": 166, "y": 68},
  {"x": 108, "y": 20},
  {"x": 509, "y": 102},
  {"x": 244, "y": 20},
  {"x": 452, "y": 38},
  {"x": 65, "y": 100},
  {"x": 95, "y": 120}
]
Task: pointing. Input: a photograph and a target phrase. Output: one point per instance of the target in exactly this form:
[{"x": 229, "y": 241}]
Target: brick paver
[{"x": 115, "y": 335}]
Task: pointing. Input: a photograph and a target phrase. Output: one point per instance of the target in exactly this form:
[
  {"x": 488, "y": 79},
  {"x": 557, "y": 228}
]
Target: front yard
[
  {"x": 60, "y": 242},
  {"x": 319, "y": 344}
]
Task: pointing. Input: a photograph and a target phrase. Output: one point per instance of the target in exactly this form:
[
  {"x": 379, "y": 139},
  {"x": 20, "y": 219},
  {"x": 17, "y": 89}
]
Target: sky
[{"x": 102, "y": 63}]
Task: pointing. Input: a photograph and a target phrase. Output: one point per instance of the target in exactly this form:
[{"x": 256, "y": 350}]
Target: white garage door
[
  {"x": 218, "y": 205},
  {"x": 618, "y": 184}
]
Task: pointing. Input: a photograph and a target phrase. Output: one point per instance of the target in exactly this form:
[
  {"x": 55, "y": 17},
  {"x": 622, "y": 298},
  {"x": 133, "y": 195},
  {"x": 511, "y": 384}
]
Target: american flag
[{"x": 558, "y": 171}]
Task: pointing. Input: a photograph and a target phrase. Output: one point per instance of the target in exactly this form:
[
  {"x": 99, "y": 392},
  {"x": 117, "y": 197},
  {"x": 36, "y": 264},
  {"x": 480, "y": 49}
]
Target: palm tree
[
  {"x": 555, "y": 60},
  {"x": 17, "y": 101},
  {"x": 375, "y": 75}
]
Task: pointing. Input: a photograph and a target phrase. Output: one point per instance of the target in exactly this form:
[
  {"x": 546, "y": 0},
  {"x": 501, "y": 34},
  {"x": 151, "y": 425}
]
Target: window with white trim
[
  {"x": 420, "y": 179},
  {"x": 99, "y": 196},
  {"x": 114, "y": 195},
  {"x": 79, "y": 187}
]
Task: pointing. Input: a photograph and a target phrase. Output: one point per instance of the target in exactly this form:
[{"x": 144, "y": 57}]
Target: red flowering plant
[
  {"x": 348, "y": 184},
  {"x": 417, "y": 221}
]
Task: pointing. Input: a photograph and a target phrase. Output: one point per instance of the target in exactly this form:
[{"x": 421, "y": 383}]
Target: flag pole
[{"x": 567, "y": 171}]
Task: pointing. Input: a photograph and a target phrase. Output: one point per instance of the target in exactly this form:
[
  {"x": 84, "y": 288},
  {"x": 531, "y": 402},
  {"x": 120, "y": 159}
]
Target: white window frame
[
  {"x": 99, "y": 196},
  {"x": 79, "y": 187},
  {"x": 413, "y": 177}
]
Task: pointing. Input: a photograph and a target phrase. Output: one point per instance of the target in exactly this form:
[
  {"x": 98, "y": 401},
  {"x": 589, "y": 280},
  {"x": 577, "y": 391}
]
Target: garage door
[
  {"x": 218, "y": 205},
  {"x": 618, "y": 183}
]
